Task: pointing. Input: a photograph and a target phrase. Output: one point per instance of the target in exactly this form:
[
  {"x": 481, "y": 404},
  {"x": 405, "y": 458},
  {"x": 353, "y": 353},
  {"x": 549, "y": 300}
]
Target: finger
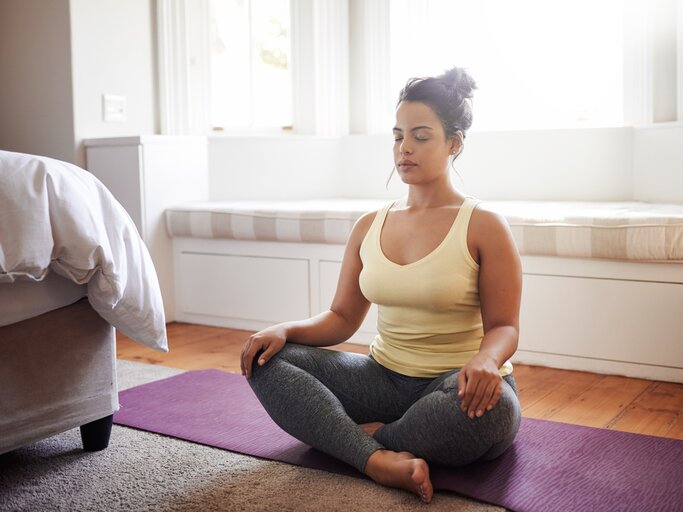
[
  {"x": 480, "y": 407},
  {"x": 249, "y": 358},
  {"x": 463, "y": 385},
  {"x": 242, "y": 360},
  {"x": 497, "y": 393},
  {"x": 244, "y": 356},
  {"x": 245, "y": 363},
  {"x": 462, "y": 382},
  {"x": 267, "y": 354},
  {"x": 471, "y": 393},
  {"x": 476, "y": 396}
]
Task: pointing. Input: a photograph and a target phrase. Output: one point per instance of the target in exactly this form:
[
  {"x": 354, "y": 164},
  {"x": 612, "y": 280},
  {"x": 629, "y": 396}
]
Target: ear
[{"x": 456, "y": 143}]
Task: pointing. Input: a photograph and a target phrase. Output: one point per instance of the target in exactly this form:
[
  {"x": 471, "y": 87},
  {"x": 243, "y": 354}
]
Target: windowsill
[{"x": 284, "y": 135}]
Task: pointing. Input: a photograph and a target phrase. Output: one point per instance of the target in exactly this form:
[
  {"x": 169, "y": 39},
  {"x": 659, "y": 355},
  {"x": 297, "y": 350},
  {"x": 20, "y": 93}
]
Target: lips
[{"x": 406, "y": 164}]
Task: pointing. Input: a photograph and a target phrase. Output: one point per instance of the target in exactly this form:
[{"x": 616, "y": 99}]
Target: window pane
[
  {"x": 250, "y": 63},
  {"x": 538, "y": 64}
]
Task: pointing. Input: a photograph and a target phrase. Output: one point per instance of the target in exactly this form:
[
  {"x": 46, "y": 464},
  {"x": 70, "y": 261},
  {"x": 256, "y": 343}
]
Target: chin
[{"x": 409, "y": 178}]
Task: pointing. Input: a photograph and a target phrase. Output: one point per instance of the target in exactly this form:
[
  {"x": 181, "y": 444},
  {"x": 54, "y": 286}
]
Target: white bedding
[
  {"x": 56, "y": 217},
  {"x": 25, "y": 299}
]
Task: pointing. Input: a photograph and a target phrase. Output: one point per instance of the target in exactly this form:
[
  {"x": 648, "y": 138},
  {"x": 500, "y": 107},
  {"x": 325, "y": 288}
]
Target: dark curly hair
[{"x": 447, "y": 96}]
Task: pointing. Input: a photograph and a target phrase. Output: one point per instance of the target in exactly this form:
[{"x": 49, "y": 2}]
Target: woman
[{"x": 445, "y": 273}]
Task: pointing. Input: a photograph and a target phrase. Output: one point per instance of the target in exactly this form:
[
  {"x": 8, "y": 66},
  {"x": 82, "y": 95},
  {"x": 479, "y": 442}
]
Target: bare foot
[
  {"x": 402, "y": 470},
  {"x": 371, "y": 428}
]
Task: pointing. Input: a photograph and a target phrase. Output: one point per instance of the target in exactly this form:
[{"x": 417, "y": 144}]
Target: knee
[
  {"x": 508, "y": 409},
  {"x": 258, "y": 370},
  {"x": 506, "y": 418}
]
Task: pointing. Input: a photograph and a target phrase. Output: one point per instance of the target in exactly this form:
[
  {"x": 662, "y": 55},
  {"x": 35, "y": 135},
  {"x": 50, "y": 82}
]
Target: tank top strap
[
  {"x": 380, "y": 217},
  {"x": 372, "y": 236},
  {"x": 461, "y": 228},
  {"x": 465, "y": 213}
]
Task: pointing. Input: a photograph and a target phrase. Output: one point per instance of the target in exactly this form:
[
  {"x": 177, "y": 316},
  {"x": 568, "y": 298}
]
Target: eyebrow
[{"x": 396, "y": 129}]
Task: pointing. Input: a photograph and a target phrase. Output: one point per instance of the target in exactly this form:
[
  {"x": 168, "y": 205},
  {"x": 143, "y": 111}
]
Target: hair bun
[
  {"x": 459, "y": 81},
  {"x": 445, "y": 95}
]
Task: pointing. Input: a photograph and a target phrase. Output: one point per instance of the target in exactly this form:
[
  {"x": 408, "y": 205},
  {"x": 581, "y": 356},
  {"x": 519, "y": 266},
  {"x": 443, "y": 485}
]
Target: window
[
  {"x": 250, "y": 64},
  {"x": 538, "y": 64}
]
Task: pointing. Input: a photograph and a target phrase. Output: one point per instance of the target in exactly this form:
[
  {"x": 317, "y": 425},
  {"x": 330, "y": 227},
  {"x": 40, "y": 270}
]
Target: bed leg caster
[{"x": 95, "y": 435}]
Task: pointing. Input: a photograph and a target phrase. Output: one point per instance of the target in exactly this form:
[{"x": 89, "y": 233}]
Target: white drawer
[
  {"x": 245, "y": 287},
  {"x": 630, "y": 321}
]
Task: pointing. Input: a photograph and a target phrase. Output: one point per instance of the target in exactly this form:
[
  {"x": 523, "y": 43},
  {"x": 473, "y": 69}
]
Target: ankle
[{"x": 375, "y": 462}]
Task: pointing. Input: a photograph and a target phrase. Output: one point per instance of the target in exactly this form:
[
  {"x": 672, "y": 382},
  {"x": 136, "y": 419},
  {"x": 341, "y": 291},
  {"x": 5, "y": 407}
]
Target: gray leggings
[{"x": 320, "y": 396}]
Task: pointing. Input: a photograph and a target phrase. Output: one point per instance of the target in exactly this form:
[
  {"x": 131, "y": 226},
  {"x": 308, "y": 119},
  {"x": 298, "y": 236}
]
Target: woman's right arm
[{"x": 330, "y": 327}]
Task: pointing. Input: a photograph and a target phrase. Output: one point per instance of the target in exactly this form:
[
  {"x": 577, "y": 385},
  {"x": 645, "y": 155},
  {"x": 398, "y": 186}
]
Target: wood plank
[
  {"x": 543, "y": 391},
  {"x": 582, "y": 398},
  {"x": 600, "y": 403},
  {"x": 194, "y": 348},
  {"x": 676, "y": 430},
  {"x": 551, "y": 389},
  {"x": 658, "y": 412}
]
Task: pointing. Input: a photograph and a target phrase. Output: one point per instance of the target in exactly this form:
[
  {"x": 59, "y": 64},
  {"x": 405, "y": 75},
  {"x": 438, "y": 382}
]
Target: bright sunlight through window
[
  {"x": 250, "y": 64},
  {"x": 537, "y": 63}
]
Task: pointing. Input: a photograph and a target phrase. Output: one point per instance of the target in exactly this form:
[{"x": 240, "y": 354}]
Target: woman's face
[{"x": 421, "y": 150}]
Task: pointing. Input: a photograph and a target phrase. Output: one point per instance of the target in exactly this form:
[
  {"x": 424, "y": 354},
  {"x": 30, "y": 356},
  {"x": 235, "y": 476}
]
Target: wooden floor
[{"x": 581, "y": 398}]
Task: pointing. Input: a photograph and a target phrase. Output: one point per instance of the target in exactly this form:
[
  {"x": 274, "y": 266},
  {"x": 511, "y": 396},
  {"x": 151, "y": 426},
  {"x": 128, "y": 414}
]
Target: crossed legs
[{"x": 322, "y": 396}]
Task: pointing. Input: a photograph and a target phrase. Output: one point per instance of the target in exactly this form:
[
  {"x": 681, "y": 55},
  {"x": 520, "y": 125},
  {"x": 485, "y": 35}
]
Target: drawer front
[
  {"x": 245, "y": 287},
  {"x": 630, "y": 321}
]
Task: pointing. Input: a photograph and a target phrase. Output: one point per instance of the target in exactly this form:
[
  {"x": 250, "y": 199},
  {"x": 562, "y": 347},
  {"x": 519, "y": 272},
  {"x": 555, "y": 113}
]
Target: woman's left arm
[{"x": 500, "y": 288}]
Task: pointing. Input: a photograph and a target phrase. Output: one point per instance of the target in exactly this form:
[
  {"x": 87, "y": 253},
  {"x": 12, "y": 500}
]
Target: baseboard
[{"x": 603, "y": 366}]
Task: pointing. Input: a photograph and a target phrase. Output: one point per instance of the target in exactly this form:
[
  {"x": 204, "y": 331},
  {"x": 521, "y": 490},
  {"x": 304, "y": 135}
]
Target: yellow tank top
[{"x": 429, "y": 316}]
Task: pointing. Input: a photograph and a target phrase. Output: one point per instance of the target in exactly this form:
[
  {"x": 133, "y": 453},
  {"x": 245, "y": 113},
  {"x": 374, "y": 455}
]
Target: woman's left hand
[{"x": 479, "y": 385}]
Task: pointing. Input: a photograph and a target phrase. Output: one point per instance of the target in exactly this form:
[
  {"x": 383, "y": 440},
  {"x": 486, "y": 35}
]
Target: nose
[{"x": 406, "y": 149}]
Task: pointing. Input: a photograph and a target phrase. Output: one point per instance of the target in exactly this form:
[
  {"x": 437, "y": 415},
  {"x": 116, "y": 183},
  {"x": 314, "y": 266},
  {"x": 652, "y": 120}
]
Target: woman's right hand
[{"x": 270, "y": 340}]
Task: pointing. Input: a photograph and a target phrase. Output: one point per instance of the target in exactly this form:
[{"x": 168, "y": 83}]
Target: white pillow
[{"x": 56, "y": 216}]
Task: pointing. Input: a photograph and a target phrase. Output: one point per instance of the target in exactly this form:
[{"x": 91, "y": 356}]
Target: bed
[{"x": 72, "y": 270}]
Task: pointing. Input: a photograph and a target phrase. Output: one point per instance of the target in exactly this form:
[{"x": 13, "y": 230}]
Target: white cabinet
[
  {"x": 251, "y": 285},
  {"x": 243, "y": 288},
  {"x": 603, "y": 316},
  {"x": 148, "y": 174}
]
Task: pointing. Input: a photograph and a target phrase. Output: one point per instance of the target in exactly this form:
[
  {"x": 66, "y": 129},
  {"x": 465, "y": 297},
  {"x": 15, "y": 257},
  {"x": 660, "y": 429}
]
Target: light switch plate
[{"x": 113, "y": 108}]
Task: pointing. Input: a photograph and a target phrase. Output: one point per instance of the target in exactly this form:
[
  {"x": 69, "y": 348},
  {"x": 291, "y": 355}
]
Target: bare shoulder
[
  {"x": 486, "y": 219},
  {"x": 488, "y": 231},
  {"x": 361, "y": 228}
]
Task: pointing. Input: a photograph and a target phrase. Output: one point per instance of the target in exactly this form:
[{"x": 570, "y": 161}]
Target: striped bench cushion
[{"x": 620, "y": 231}]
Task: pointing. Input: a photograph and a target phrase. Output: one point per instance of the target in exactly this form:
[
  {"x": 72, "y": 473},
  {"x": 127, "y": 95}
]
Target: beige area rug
[{"x": 142, "y": 471}]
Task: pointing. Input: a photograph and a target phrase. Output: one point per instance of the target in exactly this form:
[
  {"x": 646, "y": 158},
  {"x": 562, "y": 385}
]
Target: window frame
[
  {"x": 341, "y": 66},
  {"x": 320, "y": 70}
]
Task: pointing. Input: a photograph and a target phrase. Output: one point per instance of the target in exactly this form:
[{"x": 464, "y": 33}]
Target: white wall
[
  {"x": 591, "y": 164},
  {"x": 58, "y": 57},
  {"x": 270, "y": 167},
  {"x": 36, "y": 104},
  {"x": 588, "y": 164},
  {"x": 658, "y": 163},
  {"x": 565, "y": 165},
  {"x": 113, "y": 52},
  {"x": 365, "y": 165}
]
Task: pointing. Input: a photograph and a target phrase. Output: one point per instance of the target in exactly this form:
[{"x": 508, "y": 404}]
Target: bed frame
[{"x": 57, "y": 372}]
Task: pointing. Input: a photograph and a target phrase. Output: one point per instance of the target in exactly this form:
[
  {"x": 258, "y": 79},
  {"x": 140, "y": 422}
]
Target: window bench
[{"x": 603, "y": 282}]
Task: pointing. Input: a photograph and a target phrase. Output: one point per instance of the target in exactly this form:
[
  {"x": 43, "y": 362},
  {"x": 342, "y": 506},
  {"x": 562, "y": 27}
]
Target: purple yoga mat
[{"x": 551, "y": 466}]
